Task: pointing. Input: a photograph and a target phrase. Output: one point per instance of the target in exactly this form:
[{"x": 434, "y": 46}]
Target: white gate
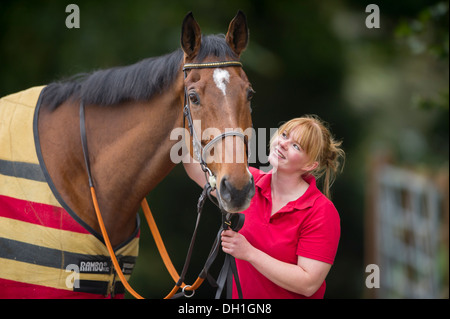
[{"x": 406, "y": 234}]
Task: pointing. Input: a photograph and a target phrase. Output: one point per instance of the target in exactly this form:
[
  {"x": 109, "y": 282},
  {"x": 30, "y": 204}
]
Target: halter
[{"x": 199, "y": 150}]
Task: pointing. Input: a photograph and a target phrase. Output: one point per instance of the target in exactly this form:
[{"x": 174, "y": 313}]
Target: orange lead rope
[
  {"x": 159, "y": 243},
  {"x": 164, "y": 255},
  {"x": 158, "y": 240},
  {"x": 110, "y": 249}
]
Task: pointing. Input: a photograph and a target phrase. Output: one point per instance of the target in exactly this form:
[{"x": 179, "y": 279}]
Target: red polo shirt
[{"x": 308, "y": 227}]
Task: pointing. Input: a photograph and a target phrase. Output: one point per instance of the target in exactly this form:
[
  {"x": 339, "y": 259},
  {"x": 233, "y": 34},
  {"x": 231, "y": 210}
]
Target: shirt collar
[
  {"x": 264, "y": 184},
  {"x": 308, "y": 199},
  {"x": 305, "y": 201}
]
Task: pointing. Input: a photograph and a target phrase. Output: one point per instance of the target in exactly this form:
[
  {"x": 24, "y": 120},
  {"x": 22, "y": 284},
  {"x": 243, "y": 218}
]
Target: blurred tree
[{"x": 427, "y": 35}]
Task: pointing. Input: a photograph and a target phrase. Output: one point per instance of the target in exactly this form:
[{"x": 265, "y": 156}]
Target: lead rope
[{"x": 229, "y": 268}]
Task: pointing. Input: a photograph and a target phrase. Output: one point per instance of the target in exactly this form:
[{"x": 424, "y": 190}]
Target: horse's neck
[
  {"x": 129, "y": 149},
  {"x": 132, "y": 162}
]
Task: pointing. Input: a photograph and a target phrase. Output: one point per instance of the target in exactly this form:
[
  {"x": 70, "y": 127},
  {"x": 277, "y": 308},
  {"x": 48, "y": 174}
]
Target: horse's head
[{"x": 218, "y": 97}]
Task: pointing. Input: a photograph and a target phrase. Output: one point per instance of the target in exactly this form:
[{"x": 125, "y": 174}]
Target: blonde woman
[{"x": 291, "y": 232}]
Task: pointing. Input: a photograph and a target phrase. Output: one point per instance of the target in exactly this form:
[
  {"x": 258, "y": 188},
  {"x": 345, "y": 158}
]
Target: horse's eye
[
  {"x": 194, "y": 98},
  {"x": 250, "y": 93}
]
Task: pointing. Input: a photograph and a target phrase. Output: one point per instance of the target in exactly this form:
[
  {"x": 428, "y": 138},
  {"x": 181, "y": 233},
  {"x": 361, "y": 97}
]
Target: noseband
[{"x": 199, "y": 150}]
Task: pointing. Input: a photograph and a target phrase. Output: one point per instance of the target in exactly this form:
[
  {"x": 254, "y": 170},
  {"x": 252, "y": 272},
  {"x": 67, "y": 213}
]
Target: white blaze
[{"x": 221, "y": 78}]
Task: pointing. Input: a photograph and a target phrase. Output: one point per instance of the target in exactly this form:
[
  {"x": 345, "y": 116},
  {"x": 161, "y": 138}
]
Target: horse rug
[{"x": 46, "y": 250}]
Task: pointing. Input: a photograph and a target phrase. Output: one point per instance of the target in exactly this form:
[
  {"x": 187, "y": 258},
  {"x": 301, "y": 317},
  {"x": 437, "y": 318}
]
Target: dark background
[{"x": 382, "y": 90}]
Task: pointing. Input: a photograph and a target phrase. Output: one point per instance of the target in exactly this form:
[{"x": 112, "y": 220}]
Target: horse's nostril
[
  {"x": 251, "y": 188},
  {"x": 225, "y": 190},
  {"x": 230, "y": 194}
]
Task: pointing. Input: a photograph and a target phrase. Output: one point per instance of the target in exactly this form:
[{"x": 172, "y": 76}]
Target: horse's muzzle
[{"x": 235, "y": 200}]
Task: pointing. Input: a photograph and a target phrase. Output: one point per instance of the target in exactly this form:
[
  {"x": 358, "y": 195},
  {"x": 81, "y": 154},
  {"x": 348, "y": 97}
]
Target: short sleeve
[
  {"x": 319, "y": 234},
  {"x": 256, "y": 173}
]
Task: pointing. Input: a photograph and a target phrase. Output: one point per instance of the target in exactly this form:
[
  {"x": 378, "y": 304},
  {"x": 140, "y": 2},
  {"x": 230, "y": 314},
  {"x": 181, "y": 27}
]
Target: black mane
[{"x": 138, "y": 82}]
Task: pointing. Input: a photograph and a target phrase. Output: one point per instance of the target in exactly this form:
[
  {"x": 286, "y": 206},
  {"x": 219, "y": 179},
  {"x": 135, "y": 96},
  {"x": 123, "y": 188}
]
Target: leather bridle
[{"x": 199, "y": 150}]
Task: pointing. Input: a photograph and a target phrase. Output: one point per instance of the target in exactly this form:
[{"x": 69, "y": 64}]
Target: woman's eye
[
  {"x": 194, "y": 98},
  {"x": 296, "y": 147}
]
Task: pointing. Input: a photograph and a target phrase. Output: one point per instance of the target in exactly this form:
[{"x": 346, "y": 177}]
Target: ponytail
[{"x": 332, "y": 163}]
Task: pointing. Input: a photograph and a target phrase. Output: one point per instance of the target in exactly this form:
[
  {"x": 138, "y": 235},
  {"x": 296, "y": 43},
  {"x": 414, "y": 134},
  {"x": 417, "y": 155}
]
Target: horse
[{"x": 128, "y": 114}]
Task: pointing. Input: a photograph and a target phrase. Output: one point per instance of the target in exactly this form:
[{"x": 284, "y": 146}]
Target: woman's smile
[{"x": 279, "y": 153}]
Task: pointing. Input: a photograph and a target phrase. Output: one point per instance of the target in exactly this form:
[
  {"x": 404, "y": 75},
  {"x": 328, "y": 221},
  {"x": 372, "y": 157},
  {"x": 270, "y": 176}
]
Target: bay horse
[{"x": 130, "y": 113}]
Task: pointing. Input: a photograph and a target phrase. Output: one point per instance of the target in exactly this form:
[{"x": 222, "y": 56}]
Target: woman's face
[{"x": 287, "y": 155}]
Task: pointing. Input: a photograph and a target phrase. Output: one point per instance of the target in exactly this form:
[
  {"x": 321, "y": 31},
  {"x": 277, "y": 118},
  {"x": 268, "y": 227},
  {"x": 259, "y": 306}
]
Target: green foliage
[{"x": 428, "y": 31}]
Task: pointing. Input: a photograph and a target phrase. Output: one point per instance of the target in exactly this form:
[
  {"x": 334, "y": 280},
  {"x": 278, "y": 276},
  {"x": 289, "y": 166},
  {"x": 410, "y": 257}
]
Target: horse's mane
[{"x": 138, "y": 82}]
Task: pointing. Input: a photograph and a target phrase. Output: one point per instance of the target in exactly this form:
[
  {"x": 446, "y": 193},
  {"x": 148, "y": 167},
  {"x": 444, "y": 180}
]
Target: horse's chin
[
  {"x": 232, "y": 199},
  {"x": 231, "y": 208}
]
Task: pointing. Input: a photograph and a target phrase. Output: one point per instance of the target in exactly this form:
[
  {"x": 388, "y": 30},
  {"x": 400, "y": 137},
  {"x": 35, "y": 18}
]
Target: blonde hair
[{"x": 315, "y": 138}]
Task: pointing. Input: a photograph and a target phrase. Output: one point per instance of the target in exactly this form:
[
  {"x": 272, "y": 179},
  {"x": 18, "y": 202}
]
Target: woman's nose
[{"x": 283, "y": 143}]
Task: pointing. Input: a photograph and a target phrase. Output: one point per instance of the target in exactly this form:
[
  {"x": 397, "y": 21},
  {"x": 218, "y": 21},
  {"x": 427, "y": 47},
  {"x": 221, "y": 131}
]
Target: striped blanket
[{"x": 46, "y": 250}]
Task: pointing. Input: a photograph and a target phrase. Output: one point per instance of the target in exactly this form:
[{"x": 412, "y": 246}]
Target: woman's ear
[{"x": 311, "y": 166}]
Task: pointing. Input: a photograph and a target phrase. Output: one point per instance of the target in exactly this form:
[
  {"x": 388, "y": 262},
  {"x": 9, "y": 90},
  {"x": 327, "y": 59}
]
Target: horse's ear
[
  {"x": 191, "y": 36},
  {"x": 237, "y": 35}
]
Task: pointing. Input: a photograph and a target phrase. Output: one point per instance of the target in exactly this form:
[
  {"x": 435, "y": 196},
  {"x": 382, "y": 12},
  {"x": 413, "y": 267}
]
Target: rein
[{"x": 233, "y": 221}]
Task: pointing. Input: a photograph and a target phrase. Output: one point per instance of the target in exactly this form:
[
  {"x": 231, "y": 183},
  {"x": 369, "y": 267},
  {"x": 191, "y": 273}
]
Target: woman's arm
[
  {"x": 304, "y": 278},
  {"x": 194, "y": 170}
]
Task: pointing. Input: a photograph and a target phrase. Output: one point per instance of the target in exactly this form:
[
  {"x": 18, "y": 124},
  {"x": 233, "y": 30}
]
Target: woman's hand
[
  {"x": 236, "y": 245},
  {"x": 303, "y": 278}
]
